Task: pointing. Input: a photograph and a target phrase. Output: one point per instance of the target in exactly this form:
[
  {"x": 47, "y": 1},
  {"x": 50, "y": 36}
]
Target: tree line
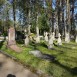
[{"x": 59, "y": 16}]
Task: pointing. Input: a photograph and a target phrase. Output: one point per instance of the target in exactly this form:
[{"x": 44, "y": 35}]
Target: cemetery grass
[{"x": 65, "y": 64}]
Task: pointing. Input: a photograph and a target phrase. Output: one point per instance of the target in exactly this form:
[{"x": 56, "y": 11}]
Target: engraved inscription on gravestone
[
  {"x": 11, "y": 40},
  {"x": 11, "y": 36}
]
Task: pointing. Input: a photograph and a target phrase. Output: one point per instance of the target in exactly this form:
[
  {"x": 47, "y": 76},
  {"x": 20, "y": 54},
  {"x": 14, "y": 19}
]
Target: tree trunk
[
  {"x": 29, "y": 26},
  {"x": 68, "y": 25},
  {"x": 63, "y": 22},
  {"x": 14, "y": 17},
  {"x": 49, "y": 10},
  {"x": 68, "y": 16},
  {"x": 56, "y": 20}
]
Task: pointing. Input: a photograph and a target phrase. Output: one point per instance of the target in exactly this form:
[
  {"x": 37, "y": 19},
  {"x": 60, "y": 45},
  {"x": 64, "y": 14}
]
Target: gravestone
[
  {"x": 11, "y": 40},
  {"x": 37, "y": 39},
  {"x": 11, "y": 37},
  {"x": 26, "y": 40},
  {"x": 53, "y": 36},
  {"x": 46, "y": 36},
  {"x": 67, "y": 37},
  {"x": 76, "y": 39},
  {"x": 59, "y": 39},
  {"x": 50, "y": 42}
]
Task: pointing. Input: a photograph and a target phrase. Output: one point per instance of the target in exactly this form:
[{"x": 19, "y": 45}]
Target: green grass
[{"x": 64, "y": 66}]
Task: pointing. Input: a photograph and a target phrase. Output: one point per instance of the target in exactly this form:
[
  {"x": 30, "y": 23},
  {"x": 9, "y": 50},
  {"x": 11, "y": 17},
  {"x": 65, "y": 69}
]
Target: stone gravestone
[
  {"x": 76, "y": 39},
  {"x": 67, "y": 37},
  {"x": 46, "y": 36},
  {"x": 53, "y": 36},
  {"x": 11, "y": 40},
  {"x": 50, "y": 42},
  {"x": 59, "y": 39},
  {"x": 11, "y": 37},
  {"x": 26, "y": 40},
  {"x": 37, "y": 39},
  {"x": 37, "y": 35}
]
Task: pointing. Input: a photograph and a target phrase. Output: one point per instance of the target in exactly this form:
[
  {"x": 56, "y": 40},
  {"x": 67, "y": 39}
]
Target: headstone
[
  {"x": 76, "y": 39},
  {"x": 11, "y": 37},
  {"x": 11, "y": 40},
  {"x": 37, "y": 30},
  {"x": 26, "y": 40},
  {"x": 37, "y": 39},
  {"x": 53, "y": 36},
  {"x": 59, "y": 39},
  {"x": 31, "y": 37},
  {"x": 25, "y": 31},
  {"x": 29, "y": 26},
  {"x": 67, "y": 37},
  {"x": 46, "y": 36},
  {"x": 50, "y": 42}
]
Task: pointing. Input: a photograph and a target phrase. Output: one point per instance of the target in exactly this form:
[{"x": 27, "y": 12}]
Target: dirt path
[{"x": 10, "y": 68}]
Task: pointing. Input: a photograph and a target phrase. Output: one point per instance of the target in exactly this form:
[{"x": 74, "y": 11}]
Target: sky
[{"x": 53, "y": 5}]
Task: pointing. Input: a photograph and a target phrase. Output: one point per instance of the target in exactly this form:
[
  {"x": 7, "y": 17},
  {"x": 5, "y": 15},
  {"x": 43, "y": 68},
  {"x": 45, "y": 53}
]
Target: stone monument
[
  {"x": 76, "y": 39},
  {"x": 67, "y": 37},
  {"x": 26, "y": 40},
  {"x": 37, "y": 39},
  {"x": 53, "y": 36},
  {"x": 59, "y": 39},
  {"x": 46, "y": 36},
  {"x": 50, "y": 42},
  {"x": 11, "y": 40}
]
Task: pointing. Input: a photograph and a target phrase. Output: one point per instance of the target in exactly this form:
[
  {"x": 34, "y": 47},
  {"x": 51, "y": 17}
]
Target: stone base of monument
[
  {"x": 15, "y": 48},
  {"x": 12, "y": 45}
]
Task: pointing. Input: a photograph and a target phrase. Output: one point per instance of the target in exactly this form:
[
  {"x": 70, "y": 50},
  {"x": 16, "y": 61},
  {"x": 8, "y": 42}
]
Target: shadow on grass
[
  {"x": 67, "y": 47},
  {"x": 64, "y": 47},
  {"x": 52, "y": 59},
  {"x": 70, "y": 44},
  {"x": 73, "y": 71},
  {"x": 48, "y": 57}
]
